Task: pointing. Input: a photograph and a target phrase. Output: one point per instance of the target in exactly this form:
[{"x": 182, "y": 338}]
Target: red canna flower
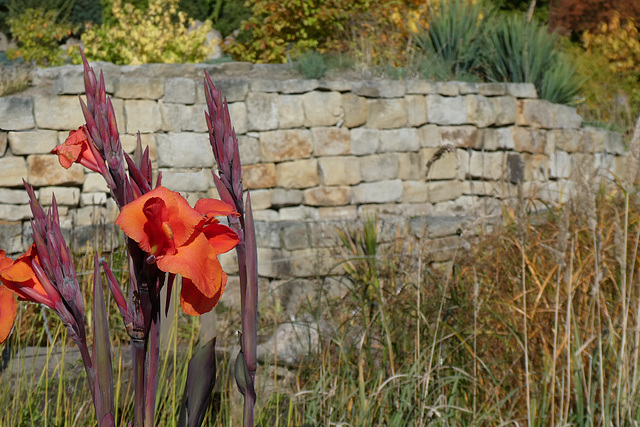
[
  {"x": 8, "y": 308},
  {"x": 76, "y": 149},
  {"x": 184, "y": 241},
  {"x": 18, "y": 276}
]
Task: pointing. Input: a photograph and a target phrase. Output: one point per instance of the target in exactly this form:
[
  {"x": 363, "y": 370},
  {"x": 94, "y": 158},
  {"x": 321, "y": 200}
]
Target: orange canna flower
[
  {"x": 184, "y": 241},
  {"x": 18, "y": 276},
  {"x": 76, "y": 149},
  {"x": 8, "y": 308}
]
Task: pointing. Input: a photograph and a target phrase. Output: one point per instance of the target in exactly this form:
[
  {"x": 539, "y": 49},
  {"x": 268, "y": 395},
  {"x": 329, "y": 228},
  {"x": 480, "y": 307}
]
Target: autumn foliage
[{"x": 577, "y": 16}]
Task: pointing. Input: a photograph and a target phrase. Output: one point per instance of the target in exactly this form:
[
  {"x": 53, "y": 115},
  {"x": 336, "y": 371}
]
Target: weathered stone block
[
  {"x": 279, "y": 145},
  {"x": 560, "y": 164},
  {"x": 327, "y": 196},
  {"x": 295, "y": 235},
  {"x": 414, "y": 192},
  {"x": 234, "y": 89},
  {"x": 355, "y": 110},
  {"x": 11, "y": 236},
  {"x": 492, "y": 89},
  {"x": 469, "y": 88},
  {"x": 65, "y": 196},
  {"x": 261, "y": 199},
  {"x": 33, "y": 142},
  {"x": 312, "y": 263},
  {"x": 238, "y": 115},
  {"x": 16, "y": 113},
  {"x": 377, "y": 192},
  {"x": 281, "y": 197},
  {"x": 139, "y": 88},
  {"x": 290, "y": 111},
  {"x": 566, "y": 117},
  {"x": 543, "y": 114},
  {"x": 187, "y": 180},
  {"x": 334, "y": 213},
  {"x": 481, "y": 111},
  {"x": 331, "y": 141},
  {"x": 262, "y": 111},
  {"x": 364, "y": 141},
  {"x": 496, "y": 139},
  {"x": 143, "y": 116},
  {"x": 273, "y": 263},
  {"x": 377, "y": 167},
  {"x": 446, "y": 110},
  {"x": 91, "y": 199},
  {"x": 147, "y": 140},
  {"x": 298, "y": 174},
  {"x": 3, "y": 143},
  {"x": 429, "y": 136},
  {"x": 180, "y": 90},
  {"x": 184, "y": 150},
  {"x": 440, "y": 191},
  {"x": 249, "y": 150},
  {"x": 322, "y": 108},
  {"x": 410, "y": 166},
  {"x": 522, "y": 90},
  {"x": 298, "y": 213},
  {"x": 448, "y": 88},
  {"x": 339, "y": 170},
  {"x": 416, "y": 106},
  {"x": 14, "y": 197},
  {"x": 261, "y": 175},
  {"x": 171, "y": 115},
  {"x": 568, "y": 140},
  {"x": 593, "y": 139},
  {"x": 267, "y": 233},
  {"x": 459, "y": 136},
  {"x": 399, "y": 140},
  {"x": 536, "y": 167},
  {"x": 530, "y": 140},
  {"x": 14, "y": 212},
  {"x": 386, "y": 113},
  {"x": 486, "y": 165},
  {"x": 515, "y": 168},
  {"x": 57, "y": 112},
  {"x": 445, "y": 167},
  {"x": 379, "y": 88},
  {"x": 193, "y": 118},
  {"x": 44, "y": 169},
  {"x": 423, "y": 87}
]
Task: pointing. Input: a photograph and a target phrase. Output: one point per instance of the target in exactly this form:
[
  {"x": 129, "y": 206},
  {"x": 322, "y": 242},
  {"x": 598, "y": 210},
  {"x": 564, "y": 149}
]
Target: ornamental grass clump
[{"x": 165, "y": 237}]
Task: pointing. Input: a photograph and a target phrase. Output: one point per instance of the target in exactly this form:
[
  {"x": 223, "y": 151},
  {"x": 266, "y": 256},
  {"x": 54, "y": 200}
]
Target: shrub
[
  {"x": 455, "y": 33},
  {"x": 312, "y": 65},
  {"x": 160, "y": 34},
  {"x": 619, "y": 42},
  {"x": 226, "y": 15},
  {"x": 60, "y": 8},
  {"x": 86, "y": 11},
  {"x": 576, "y": 16},
  {"x": 38, "y": 36}
]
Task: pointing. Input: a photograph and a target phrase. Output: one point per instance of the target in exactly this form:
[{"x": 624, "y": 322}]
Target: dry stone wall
[{"x": 316, "y": 153}]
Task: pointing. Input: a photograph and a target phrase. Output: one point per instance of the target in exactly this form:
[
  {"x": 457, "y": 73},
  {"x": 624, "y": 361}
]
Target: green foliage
[
  {"x": 60, "y": 8},
  {"x": 455, "y": 34},
  {"x": 159, "y": 34},
  {"x": 226, "y": 15},
  {"x": 38, "y": 35},
  {"x": 312, "y": 65},
  {"x": 86, "y": 11},
  {"x": 562, "y": 84}
]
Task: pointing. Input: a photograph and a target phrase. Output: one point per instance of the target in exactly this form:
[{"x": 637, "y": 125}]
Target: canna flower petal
[
  {"x": 194, "y": 302},
  {"x": 160, "y": 221},
  {"x": 221, "y": 237},
  {"x": 8, "y": 309},
  {"x": 214, "y": 207},
  {"x": 76, "y": 149},
  {"x": 20, "y": 278}
]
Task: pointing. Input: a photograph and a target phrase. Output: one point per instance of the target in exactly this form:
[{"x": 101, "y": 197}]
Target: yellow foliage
[
  {"x": 159, "y": 34},
  {"x": 619, "y": 43}
]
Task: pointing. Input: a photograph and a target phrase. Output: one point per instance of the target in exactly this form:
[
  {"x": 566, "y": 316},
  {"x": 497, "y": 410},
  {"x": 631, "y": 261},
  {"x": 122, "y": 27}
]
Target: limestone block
[
  {"x": 233, "y": 89},
  {"x": 272, "y": 263},
  {"x": 44, "y": 169},
  {"x": 14, "y": 197},
  {"x": 267, "y": 233},
  {"x": 283, "y": 86},
  {"x": 482, "y": 188},
  {"x": 322, "y": 108},
  {"x": 486, "y": 165},
  {"x": 530, "y": 140},
  {"x": 468, "y": 88},
  {"x": 416, "y": 106},
  {"x": 295, "y": 235},
  {"x": 281, "y": 197},
  {"x": 536, "y": 167},
  {"x": 429, "y": 136},
  {"x": 423, "y": 87},
  {"x": 290, "y": 112},
  {"x": 377, "y": 167},
  {"x": 171, "y": 115},
  {"x": 57, "y": 112},
  {"x": 139, "y": 88},
  {"x": 324, "y": 233},
  {"x": 3, "y": 143},
  {"x": 410, "y": 166},
  {"x": 565, "y": 117},
  {"x": 14, "y": 212},
  {"x": 331, "y": 141},
  {"x": 543, "y": 114},
  {"x": 377, "y": 192},
  {"x": 496, "y": 139},
  {"x": 91, "y": 199},
  {"x": 492, "y": 89},
  {"x": 33, "y": 142},
  {"x": 187, "y": 180},
  {"x": 515, "y": 168},
  {"x": 327, "y": 196},
  {"x": 604, "y": 164},
  {"x": 386, "y": 113},
  {"x": 414, "y": 192},
  {"x": 261, "y": 199},
  {"x": 260, "y": 175},
  {"x": 379, "y": 88},
  {"x": 593, "y": 140},
  {"x": 440, "y": 191},
  {"x": 336, "y": 85},
  {"x": 65, "y": 196},
  {"x": 16, "y": 113},
  {"x": 459, "y": 136},
  {"x": 239, "y": 118},
  {"x": 249, "y": 150},
  {"x": 180, "y": 90},
  {"x": 339, "y": 170},
  {"x": 507, "y": 110},
  {"x": 448, "y": 88},
  {"x": 143, "y": 116},
  {"x": 12, "y": 170},
  {"x": 446, "y": 110},
  {"x": 481, "y": 111},
  {"x": 445, "y": 167},
  {"x": 313, "y": 263},
  {"x": 335, "y": 213},
  {"x": 193, "y": 119},
  {"x": 364, "y": 141},
  {"x": 118, "y": 109},
  {"x": 395, "y": 140},
  {"x": 11, "y": 236},
  {"x": 522, "y": 90},
  {"x": 462, "y": 156},
  {"x": 72, "y": 84},
  {"x": 298, "y": 213},
  {"x": 569, "y": 140},
  {"x": 614, "y": 144},
  {"x": 147, "y": 140},
  {"x": 298, "y": 174},
  {"x": 279, "y": 145},
  {"x": 184, "y": 150},
  {"x": 262, "y": 111},
  {"x": 560, "y": 164},
  {"x": 355, "y": 110}
]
